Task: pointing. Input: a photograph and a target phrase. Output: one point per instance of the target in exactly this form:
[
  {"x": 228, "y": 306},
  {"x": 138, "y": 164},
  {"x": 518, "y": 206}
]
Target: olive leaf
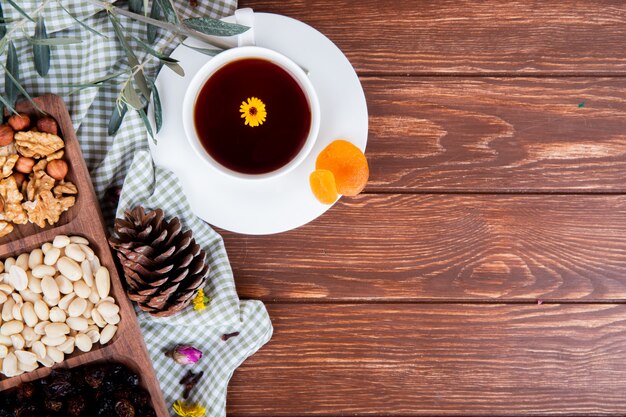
[
  {"x": 169, "y": 61},
  {"x": 20, "y": 10},
  {"x": 6, "y": 104},
  {"x": 3, "y": 27},
  {"x": 41, "y": 53},
  {"x": 168, "y": 11},
  {"x": 80, "y": 22},
  {"x": 158, "y": 109},
  {"x": 146, "y": 122},
  {"x": 155, "y": 13},
  {"x": 11, "y": 73},
  {"x": 215, "y": 27},
  {"x": 130, "y": 96},
  {"x": 140, "y": 79},
  {"x": 13, "y": 80},
  {"x": 119, "y": 111},
  {"x": 54, "y": 41},
  {"x": 205, "y": 51},
  {"x": 135, "y": 6},
  {"x": 94, "y": 83}
]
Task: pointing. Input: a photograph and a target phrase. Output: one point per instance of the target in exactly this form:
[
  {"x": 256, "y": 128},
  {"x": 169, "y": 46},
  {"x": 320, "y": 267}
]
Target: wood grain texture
[
  {"x": 466, "y": 36},
  {"x": 437, "y": 360},
  {"x": 496, "y": 134},
  {"x": 443, "y": 247},
  {"x": 127, "y": 346}
]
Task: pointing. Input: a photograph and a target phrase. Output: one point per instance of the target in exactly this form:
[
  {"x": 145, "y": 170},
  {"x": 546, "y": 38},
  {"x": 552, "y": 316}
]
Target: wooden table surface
[{"x": 483, "y": 270}]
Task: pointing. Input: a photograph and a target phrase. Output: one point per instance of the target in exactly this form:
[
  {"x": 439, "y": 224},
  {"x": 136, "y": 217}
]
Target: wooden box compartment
[{"x": 84, "y": 219}]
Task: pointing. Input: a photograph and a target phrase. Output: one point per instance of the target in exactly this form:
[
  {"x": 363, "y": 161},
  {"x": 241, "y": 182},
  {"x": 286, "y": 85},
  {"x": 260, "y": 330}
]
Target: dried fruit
[
  {"x": 323, "y": 185},
  {"x": 347, "y": 163},
  {"x": 102, "y": 390},
  {"x": 48, "y": 125},
  {"x": 37, "y": 144},
  {"x": 57, "y": 169},
  {"x": 24, "y": 165},
  {"x": 6, "y": 135},
  {"x": 19, "y": 121}
]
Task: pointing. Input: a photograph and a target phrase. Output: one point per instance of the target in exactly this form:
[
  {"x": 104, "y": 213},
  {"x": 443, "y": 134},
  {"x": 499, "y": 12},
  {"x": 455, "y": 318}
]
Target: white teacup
[{"x": 225, "y": 58}]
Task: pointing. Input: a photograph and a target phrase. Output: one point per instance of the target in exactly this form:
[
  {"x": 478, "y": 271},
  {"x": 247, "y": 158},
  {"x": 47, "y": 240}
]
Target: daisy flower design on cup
[{"x": 253, "y": 111}]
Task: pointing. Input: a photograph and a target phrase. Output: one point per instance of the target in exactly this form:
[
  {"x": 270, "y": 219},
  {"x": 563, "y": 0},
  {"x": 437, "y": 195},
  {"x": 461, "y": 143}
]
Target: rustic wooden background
[{"x": 483, "y": 271}]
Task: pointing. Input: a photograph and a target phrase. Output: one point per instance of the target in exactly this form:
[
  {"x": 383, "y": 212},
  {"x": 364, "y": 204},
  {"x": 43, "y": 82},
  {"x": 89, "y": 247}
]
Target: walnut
[
  {"x": 39, "y": 183},
  {"x": 43, "y": 207},
  {"x": 5, "y": 228},
  {"x": 67, "y": 202},
  {"x": 12, "y": 211},
  {"x": 8, "y": 149},
  {"x": 56, "y": 155},
  {"x": 64, "y": 188},
  {"x": 37, "y": 144},
  {"x": 6, "y": 164}
]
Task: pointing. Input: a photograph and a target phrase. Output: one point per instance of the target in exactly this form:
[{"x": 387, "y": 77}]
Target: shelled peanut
[{"x": 53, "y": 300}]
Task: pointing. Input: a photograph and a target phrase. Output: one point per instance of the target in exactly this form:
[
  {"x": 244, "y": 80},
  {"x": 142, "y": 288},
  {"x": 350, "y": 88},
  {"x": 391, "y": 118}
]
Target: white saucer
[{"x": 279, "y": 204}]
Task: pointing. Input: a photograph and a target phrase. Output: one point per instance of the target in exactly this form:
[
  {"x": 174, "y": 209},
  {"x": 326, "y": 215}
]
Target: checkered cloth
[{"x": 124, "y": 161}]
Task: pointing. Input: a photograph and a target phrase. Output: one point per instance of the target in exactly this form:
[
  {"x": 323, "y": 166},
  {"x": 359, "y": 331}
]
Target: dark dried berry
[
  {"x": 124, "y": 408},
  {"x": 76, "y": 405},
  {"x": 104, "y": 390},
  {"x": 94, "y": 375},
  {"x": 27, "y": 410},
  {"x": 124, "y": 376},
  {"x": 53, "y": 405},
  {"x": 25, "y": 391},
  {"x": 140, "y": 398}
]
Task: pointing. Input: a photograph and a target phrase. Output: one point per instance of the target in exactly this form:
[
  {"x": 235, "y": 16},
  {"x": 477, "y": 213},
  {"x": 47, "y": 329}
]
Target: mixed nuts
[
  {"x": 52, "y": 300},
  {"x": 32, "y": 174}
]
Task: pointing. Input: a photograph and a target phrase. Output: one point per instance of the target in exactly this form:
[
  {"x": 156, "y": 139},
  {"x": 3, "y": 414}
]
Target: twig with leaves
[{"x": 137, "y": 88}]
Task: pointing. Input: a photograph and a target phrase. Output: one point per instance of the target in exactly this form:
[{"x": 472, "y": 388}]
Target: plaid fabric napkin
[{"x": 124, "y": 161}]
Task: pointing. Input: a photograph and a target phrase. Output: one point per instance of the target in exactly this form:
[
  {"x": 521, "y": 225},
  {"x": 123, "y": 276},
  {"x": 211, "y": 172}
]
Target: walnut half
[{"x": 37, "y": 144}]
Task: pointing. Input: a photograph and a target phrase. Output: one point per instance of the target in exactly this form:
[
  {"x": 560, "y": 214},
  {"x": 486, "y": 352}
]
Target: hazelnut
[
  {"x": 6, "y": 135},
  {"x": 24, "y": 165},
  {"x": 19, "y": 122},
  {"x": 47, "y": 125},
  {"x": 19, "y": 179},
  {"x": 57, "y": 169}
]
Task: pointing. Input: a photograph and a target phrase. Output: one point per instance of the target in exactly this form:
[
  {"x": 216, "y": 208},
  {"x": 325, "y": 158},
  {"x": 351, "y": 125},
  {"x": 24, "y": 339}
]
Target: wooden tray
[{"x": 84, "y": 219}]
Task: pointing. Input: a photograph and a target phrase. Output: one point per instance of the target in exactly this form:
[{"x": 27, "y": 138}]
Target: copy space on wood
[
  {"x": 496, "y": 134},
  {"x": 443, "y": 247},
  {"x": 400, "y": 359},
  {"x": 466, "y": 36}
]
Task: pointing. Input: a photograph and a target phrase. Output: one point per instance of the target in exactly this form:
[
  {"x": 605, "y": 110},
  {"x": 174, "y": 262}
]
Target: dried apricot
[
  {"x": 348, "y": 165},
  {"x": 323, "y": 186}
]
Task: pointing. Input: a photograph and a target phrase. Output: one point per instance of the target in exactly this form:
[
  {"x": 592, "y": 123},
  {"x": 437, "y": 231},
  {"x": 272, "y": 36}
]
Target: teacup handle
[{"x": 245, "y": 17}]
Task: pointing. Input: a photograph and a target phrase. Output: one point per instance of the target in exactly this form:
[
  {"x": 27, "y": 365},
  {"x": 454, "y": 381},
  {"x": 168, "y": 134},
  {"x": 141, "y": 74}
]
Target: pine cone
[{"x": 163, "y": 267}]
